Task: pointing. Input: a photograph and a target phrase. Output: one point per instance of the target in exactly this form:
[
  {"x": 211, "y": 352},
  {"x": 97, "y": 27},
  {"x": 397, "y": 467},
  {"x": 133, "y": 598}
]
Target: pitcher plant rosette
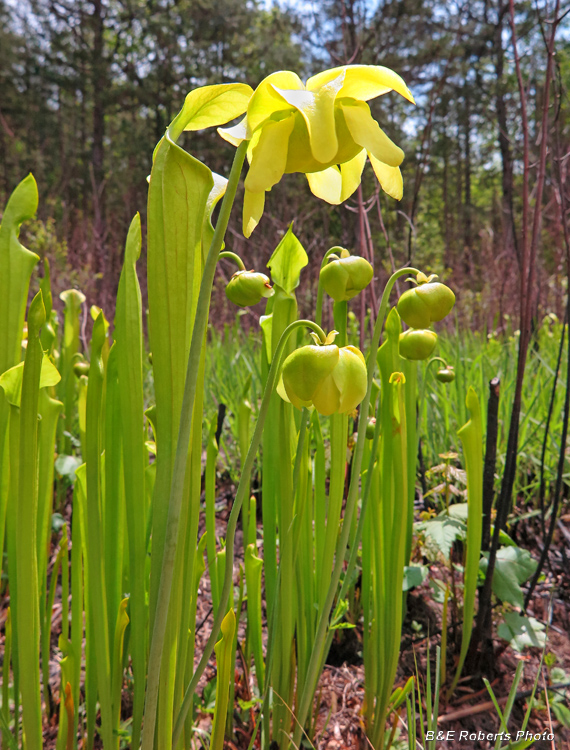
[{"x": 337, "y": 466}]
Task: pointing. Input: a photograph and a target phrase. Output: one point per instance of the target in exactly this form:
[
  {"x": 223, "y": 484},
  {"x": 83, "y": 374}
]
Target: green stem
[
  {"x": 314, "y": 664},
  {"x": 319, "y": 305},
  {"x": 232, "y": 521},
  {"x": 180, "y": 461},
  {"x": 232, "y": 256},
  {"x": 423, "y": 390}
]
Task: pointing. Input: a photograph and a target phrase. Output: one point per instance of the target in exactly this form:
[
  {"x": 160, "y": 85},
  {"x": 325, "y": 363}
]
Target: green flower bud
[
  {"x": 445, "y": 375},
  {"x": 346, "y": 276},
  {"x": 427, "y": 303},
  {"x": 370, "y": 428},
  {"x": 332, "y": 380},
  {"x": 81, "y": 368},
  {"x": 417, "y": 344},
  {"x": 247, "y": 288}
]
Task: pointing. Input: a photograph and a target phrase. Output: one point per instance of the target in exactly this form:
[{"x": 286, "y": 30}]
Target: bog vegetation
[{"x": 371, "y": 440}]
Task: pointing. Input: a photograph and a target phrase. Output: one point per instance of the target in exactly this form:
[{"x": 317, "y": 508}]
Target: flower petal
[
  {"x": 265, "y": 100},
  {"x": 236, "y": 134},
  {"x": 351, "y": 172},
  {"x": 368, "y": 134},
  {"x": 327, "y": 396},
  {"x": 269, "y": 156},
  {"x": 253, "y": 204},
  {"x": 350, "y": 378},
  {"x": 327, "y": 185},
  {"x": 390, "y": 178},
  {"x": 317, "y": 108},
  {"x": 363, "y": 82}
]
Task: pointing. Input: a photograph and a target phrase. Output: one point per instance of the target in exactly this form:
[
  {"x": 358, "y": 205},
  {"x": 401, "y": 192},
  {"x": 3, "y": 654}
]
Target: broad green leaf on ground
[
  {"x": 67, "y": 465},
  {"x": 440, "y": 534},
  {"x": 562, "y": 713},
  {"x": 513, "y": 567},
  {"x": 522, "y": 631},
  {"x": 414, "y": 575}
]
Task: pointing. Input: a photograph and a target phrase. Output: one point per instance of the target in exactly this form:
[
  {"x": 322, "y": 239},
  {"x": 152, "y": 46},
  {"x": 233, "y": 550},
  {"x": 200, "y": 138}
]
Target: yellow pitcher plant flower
[{"x": 323, "y": 128}]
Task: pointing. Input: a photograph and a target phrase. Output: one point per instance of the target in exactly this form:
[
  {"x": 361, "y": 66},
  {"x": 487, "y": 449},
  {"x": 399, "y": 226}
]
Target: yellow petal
[
  {"x": 269, "y": 156},
  {"x": 350, "y": 378},
  {"x": 282, "y": 392},
  {"x": 265, "y": 100},
  {"x": 209, "y": 106},
  {"x": 351, "y": 173},
  {"x": 363, "y": 82},
  {"x": 368, "y": 134},
  {"x": 317, "y": 109},
  {"x": 236, "y": 134},
  {"x": 327, "y": 396},
  {"x": 253, "y": 204},
  {"x": 390, "y": 178},
  {"x": 327, "y": 185}
]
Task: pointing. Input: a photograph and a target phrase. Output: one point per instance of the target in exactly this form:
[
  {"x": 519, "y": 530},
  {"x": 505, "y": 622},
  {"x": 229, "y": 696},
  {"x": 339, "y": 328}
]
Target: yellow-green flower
[
  {"x": 345, "y": 275},
  {"x": 323, "y": 128},
  {"x": 247, "y": 288},
  {"x": 332, "y": 380}
]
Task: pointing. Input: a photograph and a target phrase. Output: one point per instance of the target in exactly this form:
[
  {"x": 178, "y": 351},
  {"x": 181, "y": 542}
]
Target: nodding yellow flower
[
  {"x": 332, "y": 380},
  {"x": 323, "y": 128}
]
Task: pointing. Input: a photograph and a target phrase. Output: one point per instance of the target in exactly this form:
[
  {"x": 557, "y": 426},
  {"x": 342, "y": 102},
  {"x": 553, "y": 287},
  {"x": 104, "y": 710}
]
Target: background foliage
[{"x": 89, "y": 86}]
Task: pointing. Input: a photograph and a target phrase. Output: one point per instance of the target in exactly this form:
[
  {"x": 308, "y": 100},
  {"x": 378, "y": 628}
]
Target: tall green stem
[
  {"x": 316, "y": 657},
  {"x": 232, "y": 521},
  {"x": 180, "y": 461}
]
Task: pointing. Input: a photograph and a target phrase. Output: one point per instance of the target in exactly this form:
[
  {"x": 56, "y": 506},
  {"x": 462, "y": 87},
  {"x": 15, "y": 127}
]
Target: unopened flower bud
[
  {"x": 445, "y": 375},
  {"x": 345, "y": 276},
  {"x": 417, "y": 344},
  {"x": 81, "y": 368},
  {"x": 247, "y": 288},
  {"x": 332, "y": 380},
  {"x": 427, "y": 303},
  {"x": 370, "y": 428}
]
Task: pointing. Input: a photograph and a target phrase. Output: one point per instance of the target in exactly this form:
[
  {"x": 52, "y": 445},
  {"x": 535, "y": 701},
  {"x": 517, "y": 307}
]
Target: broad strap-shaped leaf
[
  {"x": 96, "y": 590},
  {"x": 27, "y": 612},
  {"x": 129, "y": 345},
  {"x": 224, "y": 653},
  {"x": 16, "y": 266},
  {"x": 179, "y": 189}
]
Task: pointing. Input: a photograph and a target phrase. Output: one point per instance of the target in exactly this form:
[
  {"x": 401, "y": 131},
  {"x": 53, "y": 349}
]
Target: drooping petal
[
  {"x": 265, "y": 100},
  {"x": 351, "y": 173},
  {"x": 327, "y": 396},
  {"x": 368, "y": 134},
  {"x": 390, "y": 178},
  {"x": 253, "y": 204},
  {"x": 327, "y": 185},
  {"x": 363, "y": 82},
  {"x": 269, "y": 155},
  {"x": 335, "y": 185},
  {"x": 306, "y": 368},
  {"x": 236, "y": 134},
  {"x": 350, "y": 378},
  {"x": 317, "y": 108}
]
